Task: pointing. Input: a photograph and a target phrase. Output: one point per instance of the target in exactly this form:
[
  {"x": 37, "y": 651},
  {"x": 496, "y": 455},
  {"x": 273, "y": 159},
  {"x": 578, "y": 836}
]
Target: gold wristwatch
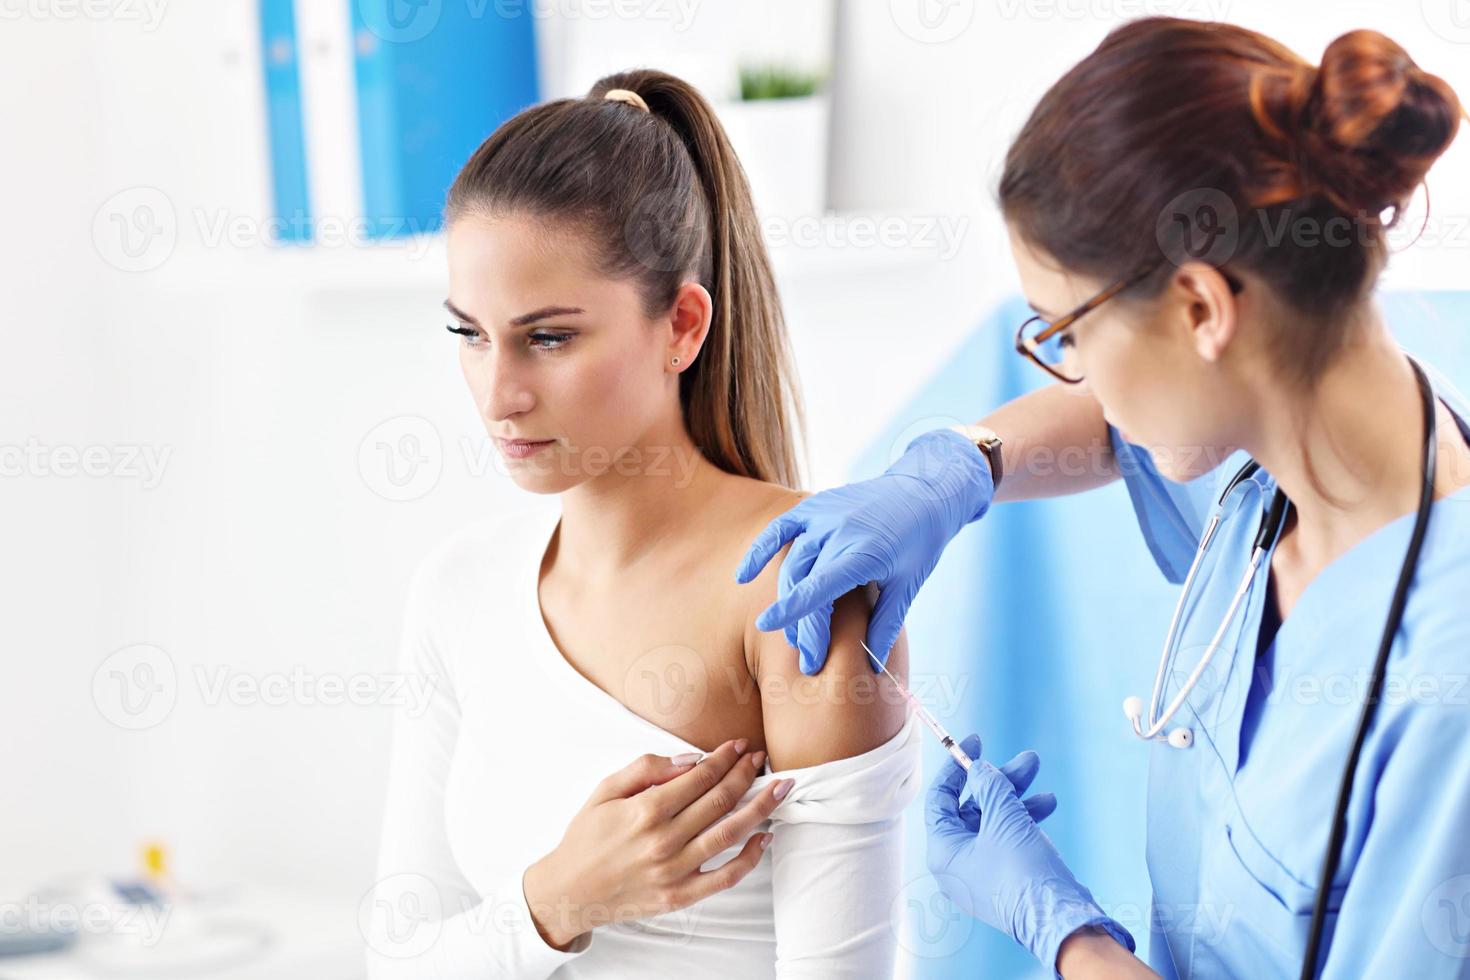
[{"x": 985, "y": 440}]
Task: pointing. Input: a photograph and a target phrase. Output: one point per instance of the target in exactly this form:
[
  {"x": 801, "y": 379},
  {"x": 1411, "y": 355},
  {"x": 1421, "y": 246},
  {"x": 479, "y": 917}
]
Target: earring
[{"x": 676, "y": 362}]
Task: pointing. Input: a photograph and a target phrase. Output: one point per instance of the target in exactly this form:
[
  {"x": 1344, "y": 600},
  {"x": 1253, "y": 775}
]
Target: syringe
[{"x": 950, "y": 744}]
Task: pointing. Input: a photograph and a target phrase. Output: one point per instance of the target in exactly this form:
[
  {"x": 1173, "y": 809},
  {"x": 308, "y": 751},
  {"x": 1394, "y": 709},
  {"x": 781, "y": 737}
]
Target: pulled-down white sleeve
[
  {"x": 423, "y": 919},
  {"x": 837, "y": 860}
]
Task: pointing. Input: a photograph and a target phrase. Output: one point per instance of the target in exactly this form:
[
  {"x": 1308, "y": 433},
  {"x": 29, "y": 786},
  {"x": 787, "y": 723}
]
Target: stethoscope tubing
[{"x": 1271, "y": 523}]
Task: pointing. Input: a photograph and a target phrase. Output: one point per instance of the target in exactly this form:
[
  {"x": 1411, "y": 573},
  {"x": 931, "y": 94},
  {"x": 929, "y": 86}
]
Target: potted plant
[{"x": 779, "y": 129}]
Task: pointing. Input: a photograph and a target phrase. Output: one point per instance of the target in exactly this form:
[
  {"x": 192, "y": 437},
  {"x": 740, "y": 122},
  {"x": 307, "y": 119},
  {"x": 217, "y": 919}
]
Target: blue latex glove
[
  {"x": 991, "y": 859},
  {"x": 890, "y": 530}
]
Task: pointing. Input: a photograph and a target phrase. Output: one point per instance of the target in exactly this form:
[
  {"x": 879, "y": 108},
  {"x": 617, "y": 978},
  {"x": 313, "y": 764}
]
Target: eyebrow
[{"x": 525, "y": 319}]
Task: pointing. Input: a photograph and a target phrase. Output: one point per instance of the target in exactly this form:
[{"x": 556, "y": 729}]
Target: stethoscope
[
  {"x": 1183, "y": 738},
  {"x": 1271, "y": 521}
]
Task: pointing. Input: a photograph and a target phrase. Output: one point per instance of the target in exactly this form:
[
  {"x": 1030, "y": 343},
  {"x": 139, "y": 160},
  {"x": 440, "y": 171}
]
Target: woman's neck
[
  {"x": 612, "y": 521},
  {"x": 1362, "y": 428}
]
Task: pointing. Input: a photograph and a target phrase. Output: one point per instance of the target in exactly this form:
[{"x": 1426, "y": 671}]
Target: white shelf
[{"x": 819, "y": 247}]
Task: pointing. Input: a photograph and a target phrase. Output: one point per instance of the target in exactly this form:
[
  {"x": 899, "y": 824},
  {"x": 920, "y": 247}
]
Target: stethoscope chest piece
[{"x": 1179, "y": 738}]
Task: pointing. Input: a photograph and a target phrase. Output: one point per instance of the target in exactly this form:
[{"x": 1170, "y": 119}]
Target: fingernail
[
  {"x": 740, "y": 744},
  {"x": 765, "y": 841},
  {"x": 759, "y": 759},
  {"x": 687, "y": 758},
  {"x": 783, "y": 787}
]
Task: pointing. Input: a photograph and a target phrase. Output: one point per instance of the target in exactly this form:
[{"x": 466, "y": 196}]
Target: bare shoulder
[
  {"x": 846, "y": 709},
  {"x": 769, "y": 501},
  {"x": 763, "y": 503}
]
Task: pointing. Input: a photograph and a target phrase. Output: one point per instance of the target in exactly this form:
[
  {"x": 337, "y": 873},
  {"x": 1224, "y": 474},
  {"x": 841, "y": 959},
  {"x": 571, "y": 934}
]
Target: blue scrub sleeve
[
  {"x": 1406, "y": 910},
  {"x": 1172, "y": 516}
]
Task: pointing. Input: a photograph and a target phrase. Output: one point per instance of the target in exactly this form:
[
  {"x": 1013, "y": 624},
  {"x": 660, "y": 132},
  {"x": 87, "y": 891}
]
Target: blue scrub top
[{"x": 1238, "y": 823}]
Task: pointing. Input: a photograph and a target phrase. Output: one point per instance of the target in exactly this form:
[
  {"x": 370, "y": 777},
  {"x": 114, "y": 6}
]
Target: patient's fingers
[
  {"x": 669, "y": 799},
  {"x": 728, "y": 832},
  {"x": 719, "y": 800},
  {"x": 645, "y": 771},
  {"x": 702, "y": 884}
]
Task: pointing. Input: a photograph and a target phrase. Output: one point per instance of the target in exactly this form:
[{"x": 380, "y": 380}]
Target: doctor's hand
[
  {"x": 889, "y": 530},
  {"x": 635, "y": 848},
  {"x": 991, "y": 859}
]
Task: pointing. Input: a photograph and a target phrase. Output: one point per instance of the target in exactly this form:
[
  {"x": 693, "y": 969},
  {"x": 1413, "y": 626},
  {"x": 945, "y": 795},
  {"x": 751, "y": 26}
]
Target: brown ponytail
[
  {"x": 664, "y": 197},
  {"x": 1175, "y": 133}
]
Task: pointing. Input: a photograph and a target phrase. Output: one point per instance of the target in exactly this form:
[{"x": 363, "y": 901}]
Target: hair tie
[{"x": 628, "y": 96}]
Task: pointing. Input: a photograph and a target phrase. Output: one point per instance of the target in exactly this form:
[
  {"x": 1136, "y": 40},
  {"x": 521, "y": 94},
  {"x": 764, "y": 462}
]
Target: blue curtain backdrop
[{"x": 1038, "y": 621}]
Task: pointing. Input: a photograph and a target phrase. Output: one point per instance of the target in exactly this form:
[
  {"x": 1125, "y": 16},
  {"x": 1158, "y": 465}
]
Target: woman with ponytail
[
  {"x": 1199, "y": 217},
  {"x": 622, "y": 340}
]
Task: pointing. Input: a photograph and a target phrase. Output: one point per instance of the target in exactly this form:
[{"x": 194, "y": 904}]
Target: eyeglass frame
[{"x": 1026, "y": 346}]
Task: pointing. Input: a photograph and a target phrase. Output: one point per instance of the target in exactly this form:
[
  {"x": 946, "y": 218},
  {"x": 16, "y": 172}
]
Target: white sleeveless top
[{"x": 488, "y": 769}]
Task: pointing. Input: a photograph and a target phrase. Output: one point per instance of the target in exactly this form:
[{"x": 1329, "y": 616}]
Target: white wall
[{"x": 61, "y": 538}]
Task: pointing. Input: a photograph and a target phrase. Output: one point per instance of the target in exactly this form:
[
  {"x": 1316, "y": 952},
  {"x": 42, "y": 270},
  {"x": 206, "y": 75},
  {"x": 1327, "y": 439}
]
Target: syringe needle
[{"x": 950, "y": 745}]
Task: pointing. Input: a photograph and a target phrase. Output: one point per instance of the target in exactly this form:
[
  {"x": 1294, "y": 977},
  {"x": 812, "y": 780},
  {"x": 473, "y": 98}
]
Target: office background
[{"x": 283, "y": 430}]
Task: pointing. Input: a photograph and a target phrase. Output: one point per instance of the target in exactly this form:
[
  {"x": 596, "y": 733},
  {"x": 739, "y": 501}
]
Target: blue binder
[
  {"x": 287, "y": 139},
  {"x": 434, "y": 78}
]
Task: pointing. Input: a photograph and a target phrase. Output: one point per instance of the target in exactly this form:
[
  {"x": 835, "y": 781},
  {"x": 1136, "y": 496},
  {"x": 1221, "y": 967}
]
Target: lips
[{"x": 521, "y": 448}]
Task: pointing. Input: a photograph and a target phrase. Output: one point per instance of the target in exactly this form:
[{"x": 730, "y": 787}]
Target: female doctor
[{"x": 1198, "y": 218}]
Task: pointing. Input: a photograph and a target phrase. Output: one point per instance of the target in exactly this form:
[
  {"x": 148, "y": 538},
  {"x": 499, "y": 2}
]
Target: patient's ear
[{"x": 689, "y": 319}]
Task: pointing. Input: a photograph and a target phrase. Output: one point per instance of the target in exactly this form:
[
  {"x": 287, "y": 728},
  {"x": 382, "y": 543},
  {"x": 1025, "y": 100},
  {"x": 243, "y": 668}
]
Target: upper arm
[
  {"x": 417, "y": 869},
  {"x": 837, "y": 853},
  {"x": 847, "y": 708},
  {"x": 422, "y": 747},
  {"x": 415, "y": 864}
]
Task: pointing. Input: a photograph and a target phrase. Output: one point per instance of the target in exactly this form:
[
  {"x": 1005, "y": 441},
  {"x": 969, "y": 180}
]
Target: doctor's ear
[{"x": 1208, "y": 296}]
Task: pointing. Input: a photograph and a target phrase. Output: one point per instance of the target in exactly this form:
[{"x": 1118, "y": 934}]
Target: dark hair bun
[{"x": 1374, "y": 123}]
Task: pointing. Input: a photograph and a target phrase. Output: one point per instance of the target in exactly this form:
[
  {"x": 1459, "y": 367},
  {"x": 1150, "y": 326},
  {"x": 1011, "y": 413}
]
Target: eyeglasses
[{"x": 1046, "y": 344}]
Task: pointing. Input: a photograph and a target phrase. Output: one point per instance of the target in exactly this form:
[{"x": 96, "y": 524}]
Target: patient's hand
[{"x": 635, "y": 848}]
